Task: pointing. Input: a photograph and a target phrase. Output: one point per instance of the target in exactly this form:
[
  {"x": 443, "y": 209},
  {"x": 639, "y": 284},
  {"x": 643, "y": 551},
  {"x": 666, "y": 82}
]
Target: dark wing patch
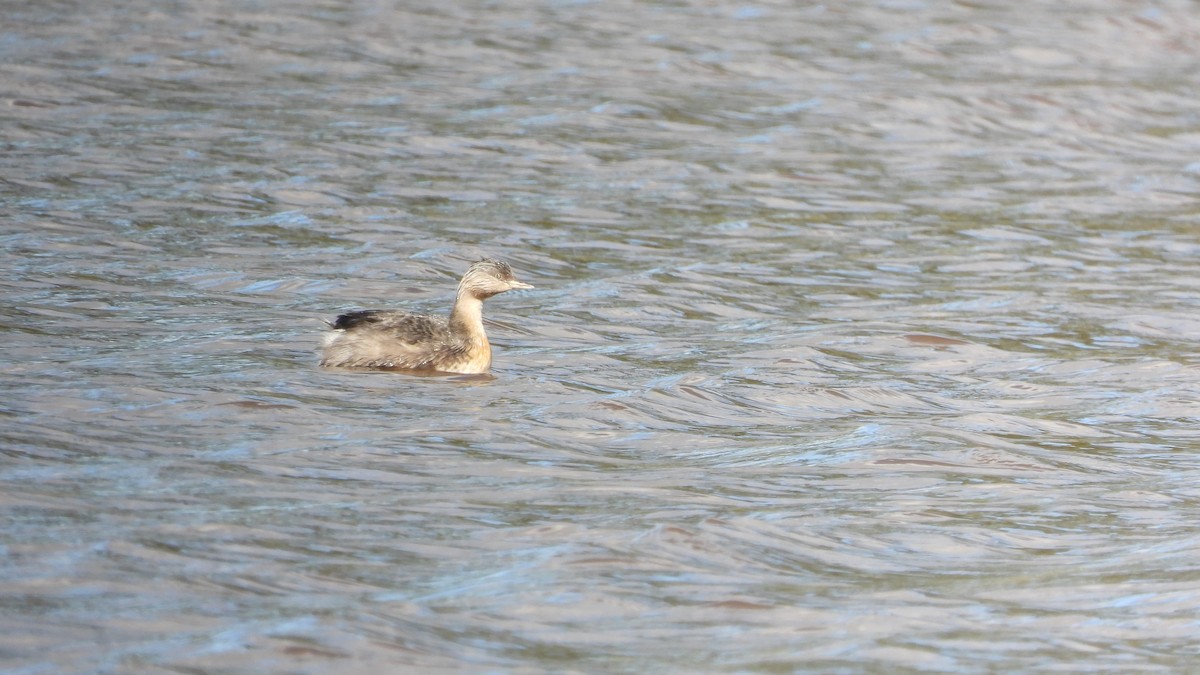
[
  {"x": 363, "y": 317},
  {"x": 405, "y": 327}
]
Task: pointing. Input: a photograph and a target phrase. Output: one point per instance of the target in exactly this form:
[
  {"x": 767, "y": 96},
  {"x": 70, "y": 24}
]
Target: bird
[{"x": 382, "y": 339}]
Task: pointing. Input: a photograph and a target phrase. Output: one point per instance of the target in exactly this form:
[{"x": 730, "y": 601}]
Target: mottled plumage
[{"x": 398, "y": 340}]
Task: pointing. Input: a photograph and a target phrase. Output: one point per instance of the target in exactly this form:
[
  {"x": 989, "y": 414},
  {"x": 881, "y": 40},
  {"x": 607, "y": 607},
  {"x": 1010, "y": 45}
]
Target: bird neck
[{"x": 466, "y": 318}]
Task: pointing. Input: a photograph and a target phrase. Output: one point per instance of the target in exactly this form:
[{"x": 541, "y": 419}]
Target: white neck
[{"x": 466, "y": 318}]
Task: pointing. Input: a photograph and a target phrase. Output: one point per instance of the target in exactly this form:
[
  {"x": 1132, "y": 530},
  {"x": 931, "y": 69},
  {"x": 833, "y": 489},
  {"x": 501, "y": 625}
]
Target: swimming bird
[{"x": 397, "y": 340}]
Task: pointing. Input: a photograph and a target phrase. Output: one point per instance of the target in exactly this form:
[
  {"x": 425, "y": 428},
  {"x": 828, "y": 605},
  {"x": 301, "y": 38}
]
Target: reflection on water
[{"x": 864, "y": 336}]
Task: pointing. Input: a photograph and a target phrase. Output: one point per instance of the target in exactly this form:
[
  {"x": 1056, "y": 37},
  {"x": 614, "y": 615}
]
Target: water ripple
[{"x": 863, "y": 336}]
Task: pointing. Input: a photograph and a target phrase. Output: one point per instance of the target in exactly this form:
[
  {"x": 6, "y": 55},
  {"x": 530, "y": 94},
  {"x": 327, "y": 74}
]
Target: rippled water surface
[{"x": 865, "y": 336}]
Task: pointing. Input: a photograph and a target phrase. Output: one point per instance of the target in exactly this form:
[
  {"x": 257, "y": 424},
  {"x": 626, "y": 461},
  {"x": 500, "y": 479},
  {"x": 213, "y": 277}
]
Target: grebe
[{"x": 397, "y": 340}]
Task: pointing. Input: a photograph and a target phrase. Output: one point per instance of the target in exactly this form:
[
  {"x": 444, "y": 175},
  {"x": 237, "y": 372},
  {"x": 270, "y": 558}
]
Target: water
[{"x": 864, "y": 337}]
